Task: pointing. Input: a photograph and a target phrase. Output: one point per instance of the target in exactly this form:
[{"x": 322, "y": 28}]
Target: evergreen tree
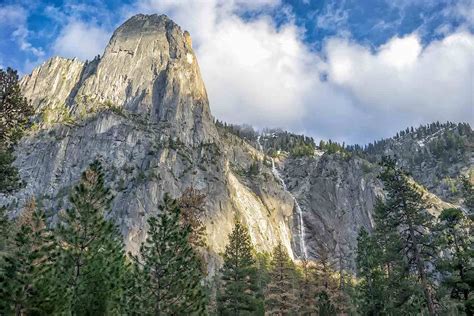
[
  {"x": 14, "y": 108},
  {"x": 281, "y": 296},
  {"x": 324, "y": 305},
  {"x": 168, "y": 270},
  {"x": 23, "y": 286},
  {"x": 5, "y": 233},
  {"x": 90, "y": 269},
  {"x": 468, "y": 194},
  {"x": 343, "y": 291},
  {"x": 9, "y": 178},
  {"x": 454, "y": 238},
  {"x": 263, "y": 278},
  {"x": 308, "y": 288},
  {"x": 14, "y": 116},
  {"x": 371, "y": 287},
  {"x": 324, "y": 269},
  {"x": 403, "y": 224},
  {"x": 238, "y": 293}
]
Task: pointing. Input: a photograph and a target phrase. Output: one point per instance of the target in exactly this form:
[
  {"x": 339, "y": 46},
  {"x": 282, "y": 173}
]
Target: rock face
[
  {"x": 148, "y": 68},
  {"x": 337, "y": 195},
  {"x": 436, "y": 155},
  {"x": 142, "y": 109}
]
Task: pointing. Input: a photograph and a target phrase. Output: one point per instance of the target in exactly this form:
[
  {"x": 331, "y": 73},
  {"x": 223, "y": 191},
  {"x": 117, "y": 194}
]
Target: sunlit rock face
[
  {"x": 50, "y": 84},
  {"x": 148, "y": 68}
]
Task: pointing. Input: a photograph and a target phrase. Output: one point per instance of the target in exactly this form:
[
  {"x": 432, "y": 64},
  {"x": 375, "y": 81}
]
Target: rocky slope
[
  {"x": 142, "y": 109},
  {"x": 436, "y": 155}
]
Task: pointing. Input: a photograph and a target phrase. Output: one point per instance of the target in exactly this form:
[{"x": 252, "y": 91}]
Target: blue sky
[{"x": 350, "y": 70}]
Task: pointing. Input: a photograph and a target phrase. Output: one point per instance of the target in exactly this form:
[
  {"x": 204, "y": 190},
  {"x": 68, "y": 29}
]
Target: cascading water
[{"x": 277, "y": 175}]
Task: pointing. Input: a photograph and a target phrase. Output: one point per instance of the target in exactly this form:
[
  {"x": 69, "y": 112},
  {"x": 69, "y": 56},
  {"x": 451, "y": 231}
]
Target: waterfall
[
  {"x": 259, "y": 145},
  {"x": 276, "y": 173}
]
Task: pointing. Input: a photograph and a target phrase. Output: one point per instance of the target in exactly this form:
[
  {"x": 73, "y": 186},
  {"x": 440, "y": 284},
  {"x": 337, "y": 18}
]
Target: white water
[{"x": 277, "y": 175}]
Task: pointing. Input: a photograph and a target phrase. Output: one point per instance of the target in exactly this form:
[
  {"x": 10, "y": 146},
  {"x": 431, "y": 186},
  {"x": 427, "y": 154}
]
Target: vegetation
[
  {"x": 274, "y": 141},
  {"x": 332, "y": 147},
  {"x": 14, "y": 119},
  {"x": 281, "y": 297},
  {"x": 168, "y": 270},
  {"x": 91, "y": 258},
  {"x": 191, "y": 204},
  {"x": 413, "y": 263},
  {"x": 25, "y": 262},
  {"x": 238, "y": 289},
  {"x": 456, "y": 266}
]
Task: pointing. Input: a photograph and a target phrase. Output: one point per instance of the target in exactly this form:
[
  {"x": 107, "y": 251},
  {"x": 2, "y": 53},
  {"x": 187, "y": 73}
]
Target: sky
[{"x": 347, "y": 70}]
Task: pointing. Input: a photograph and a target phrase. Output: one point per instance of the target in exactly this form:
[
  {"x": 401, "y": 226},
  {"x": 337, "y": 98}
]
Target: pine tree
[
  {"x": 22, "y": 280},
  {"x": 308, "y": 288},
  {"x": 90, "y": 269},
  {"x": 281, "y": 296},
  {"x": 405, "y": 222},
  {"x": 14, "y": 108},
  {"x": 5, "y": 233},
  {"x": 14, "y": 117},
  {"x": 168, "y": 270},
  {"x": 454, "y": 238},
  {"x": 371, "y": 288},
  {"x": 343, "y": 291},
  {"x": 238, "y": 275},
  {"x": 263, "y": 278},
  {"x": 324, "y": 269},
  {"x": 468, "y": 194},
  {"x": 9, "y": 178},
  {"x": 324, "y": 305}
]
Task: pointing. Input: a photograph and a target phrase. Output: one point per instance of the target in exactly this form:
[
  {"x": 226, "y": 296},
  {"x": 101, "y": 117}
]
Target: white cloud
[
  {"x": 16, "y": 17},
  {"x": 81, "y": 40},
  {"x": 402, "y": 79},
  {"x": 254, "y": 72},
  {"x": 264, "y": 75},
  {"x": 12, "y": 14}
]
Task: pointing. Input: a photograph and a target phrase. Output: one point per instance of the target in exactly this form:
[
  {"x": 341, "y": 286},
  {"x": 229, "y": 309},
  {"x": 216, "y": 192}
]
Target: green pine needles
[
  {"x": 238, "y": 290},
  {"x": 167, "y": 269},
  {"x": 281, "y": 297},
  {"x": 91, "y": 258},
  {"x": 413, "y": 263}
]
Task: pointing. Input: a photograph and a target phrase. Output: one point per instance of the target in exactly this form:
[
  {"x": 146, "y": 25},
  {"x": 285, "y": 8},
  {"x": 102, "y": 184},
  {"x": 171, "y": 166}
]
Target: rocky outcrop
[
  {"x": 50, "y": 84},
  {"x": 148, "y": 68}
]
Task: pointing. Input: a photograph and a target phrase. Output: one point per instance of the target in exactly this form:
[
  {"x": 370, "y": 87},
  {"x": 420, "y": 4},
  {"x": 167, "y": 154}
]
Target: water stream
[{"x": 276, "y": 173}]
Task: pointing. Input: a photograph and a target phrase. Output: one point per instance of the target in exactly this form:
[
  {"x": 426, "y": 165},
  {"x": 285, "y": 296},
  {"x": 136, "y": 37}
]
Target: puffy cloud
[
  {"x": 266, "y": 75},
  {"x": 255, "y": 72},
  {"x": 81, "y": 40},
  {"x": 405, "y": 82}
]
